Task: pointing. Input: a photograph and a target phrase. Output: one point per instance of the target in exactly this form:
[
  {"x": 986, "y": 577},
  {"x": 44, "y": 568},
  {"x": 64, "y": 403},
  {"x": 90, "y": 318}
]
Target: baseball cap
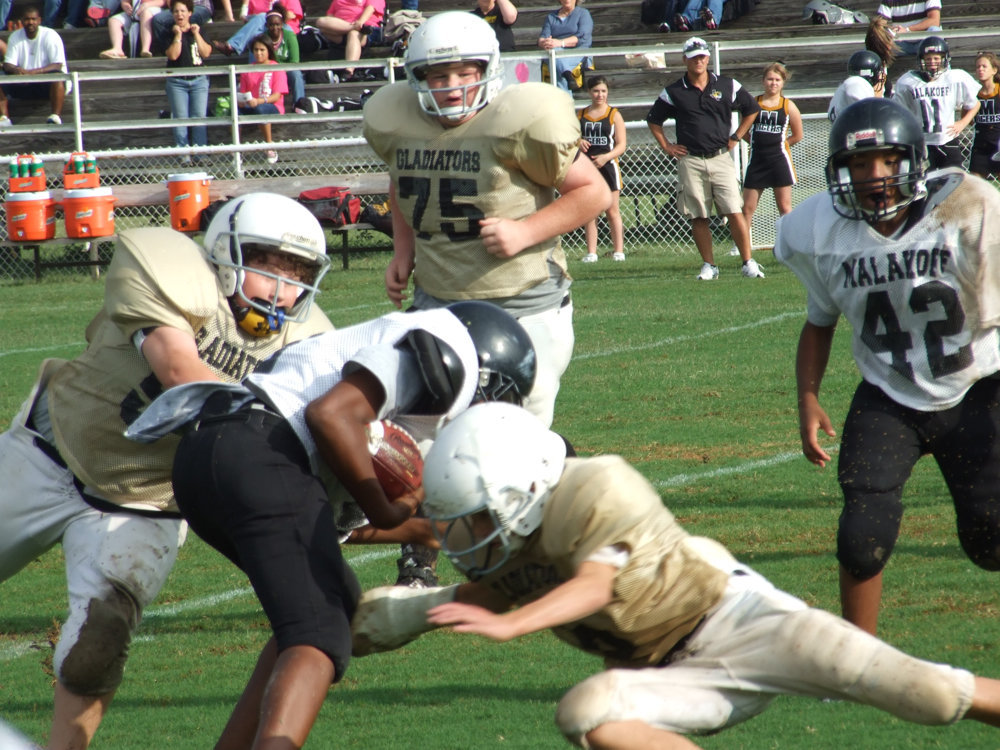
[{"x": 695, "y": 46}]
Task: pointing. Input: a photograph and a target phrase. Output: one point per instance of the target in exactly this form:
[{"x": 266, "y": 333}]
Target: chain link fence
[{"x": 648, "y": 202}]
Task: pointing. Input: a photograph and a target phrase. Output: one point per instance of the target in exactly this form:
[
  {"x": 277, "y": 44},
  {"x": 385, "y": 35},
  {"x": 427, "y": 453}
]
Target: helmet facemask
[
  {"x": 844, "y": 189},
  {"x": 258, "y": 236},
  {"x": 447, "y": 38},
  {"x": 933, "y": 45}
]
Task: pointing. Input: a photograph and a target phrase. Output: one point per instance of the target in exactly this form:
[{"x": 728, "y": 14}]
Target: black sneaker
[
  {"x": 571, "y": 80},
  {"x": 681, "y": 23},
  {"x": 417, "y": 567},
  {"x": 708, "y": 18}
]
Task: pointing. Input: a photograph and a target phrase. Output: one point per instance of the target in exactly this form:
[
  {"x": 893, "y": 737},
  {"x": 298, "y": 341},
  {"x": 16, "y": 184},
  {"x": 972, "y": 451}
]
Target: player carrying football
[
  {"x": 173, "y": 312},
  {"x": 912, "y": 260},
  {"x": 273, "y": 472},
  {"x": 693, "y": 641}
]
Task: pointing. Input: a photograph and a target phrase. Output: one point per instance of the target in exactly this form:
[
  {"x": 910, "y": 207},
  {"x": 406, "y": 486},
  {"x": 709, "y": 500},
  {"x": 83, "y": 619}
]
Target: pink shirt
[
  {"x": 264, "y": 83},
  {"x": 255, "y": 7},
  {"x": 350, "y": 10}
]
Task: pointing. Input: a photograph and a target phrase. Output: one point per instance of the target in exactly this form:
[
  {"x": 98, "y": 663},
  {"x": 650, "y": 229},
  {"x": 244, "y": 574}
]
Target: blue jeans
[
  {"x": 693, "y": 9},
  {"x": 296, "y": 84},
  {"x": 261, "y": 109},
  {"x": 50, "y": 13},
  {"x": 409, "y": 4},
  {"x": 255, "y": 26},
  {"x": 163, "y": 24},
  {"x": 188, "y": 97},
  {"x": 910, "y": 48}
]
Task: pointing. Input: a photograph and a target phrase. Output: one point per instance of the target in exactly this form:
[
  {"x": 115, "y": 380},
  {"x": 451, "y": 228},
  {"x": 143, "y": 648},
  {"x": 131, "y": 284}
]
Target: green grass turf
[{"x": 691, "y": 381}]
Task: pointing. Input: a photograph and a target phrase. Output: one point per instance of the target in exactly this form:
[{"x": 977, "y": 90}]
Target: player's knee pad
[
  {"x": 869, "y": 527},
  {"x": 90, "y": 656},
  {"x": 586, "y": 706}
]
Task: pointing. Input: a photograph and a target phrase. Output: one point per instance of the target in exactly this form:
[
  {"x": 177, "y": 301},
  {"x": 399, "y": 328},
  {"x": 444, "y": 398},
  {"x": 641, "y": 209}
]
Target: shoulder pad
[
  {"x": 174, "y": 268},
  {"x": 440, "y": 368}
]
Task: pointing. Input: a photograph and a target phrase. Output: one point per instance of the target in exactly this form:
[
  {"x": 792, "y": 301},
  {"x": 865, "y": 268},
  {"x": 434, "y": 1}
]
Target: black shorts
[
  {"x": 882, "y": 441},
  {"x": 769, "y": 169},
  {"x": 612, "y": 175},
  {"x": 981, "y": 163},
  {"x": 244, "y": 485},
  {"x": 947, "y": 155},
  {"x": 27, "y": 90}
]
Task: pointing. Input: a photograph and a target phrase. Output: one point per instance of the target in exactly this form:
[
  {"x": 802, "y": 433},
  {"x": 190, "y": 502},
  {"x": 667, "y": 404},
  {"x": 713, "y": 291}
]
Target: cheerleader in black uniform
[
  {"x": 778, "y": 127},
  {"x": 602, "y": 131},
  {"x": 986, "y": 142}
]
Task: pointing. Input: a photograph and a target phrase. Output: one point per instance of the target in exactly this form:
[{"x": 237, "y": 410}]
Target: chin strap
[{"x": 258, "y": 323}]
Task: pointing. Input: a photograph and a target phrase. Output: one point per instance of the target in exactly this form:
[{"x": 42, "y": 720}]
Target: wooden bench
[{"x": 91, "y": 247}]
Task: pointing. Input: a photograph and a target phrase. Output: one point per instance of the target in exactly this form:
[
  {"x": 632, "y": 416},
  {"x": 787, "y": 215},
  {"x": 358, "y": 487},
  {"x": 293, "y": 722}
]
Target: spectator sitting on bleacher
[
  {"x": 263, "y": 92},
  {"x": 704, "y": 14},
  {"x": 500, "y": 15},
  {"x": 32, "y": 50},
  {"x": 569, "y": 26},
  {"x": 914, "y": 18},
  {"x": 120, "y": 24},
  {"x": 348, "y": 23},
  {"x": 254, "y": 14},
  {"x": 163, "y": 22},
  {"x": 286, "y": 48}
]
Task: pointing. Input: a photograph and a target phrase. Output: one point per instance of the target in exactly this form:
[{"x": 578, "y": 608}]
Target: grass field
[{"x": 692, "y": 382}]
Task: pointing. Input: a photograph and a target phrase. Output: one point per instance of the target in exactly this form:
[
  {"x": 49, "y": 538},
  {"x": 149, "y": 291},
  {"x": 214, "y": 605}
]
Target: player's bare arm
[
  {"x": 172, "y": 355},
  {"x": 589, "y": 591},
  {"x": 965, "y": 120},
  {"x": 583, "y": 195},
  {"x": 337, "y": 422},
  {"x": 810, "y": 365},
  {"x": 397, "y": 274}
]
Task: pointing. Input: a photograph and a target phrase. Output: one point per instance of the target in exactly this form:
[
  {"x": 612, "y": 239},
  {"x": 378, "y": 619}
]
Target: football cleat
[
  {"x": 708, "y": 272},
  {"x": 752, "y": 270}
]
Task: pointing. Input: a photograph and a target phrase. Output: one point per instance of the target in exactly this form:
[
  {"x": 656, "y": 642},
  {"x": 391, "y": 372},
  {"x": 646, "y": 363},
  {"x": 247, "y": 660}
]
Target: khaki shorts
[{"x": 704, "y": 180}]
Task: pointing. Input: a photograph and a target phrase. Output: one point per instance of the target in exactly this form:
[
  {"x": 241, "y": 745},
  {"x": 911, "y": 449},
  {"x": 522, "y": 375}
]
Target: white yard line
[{"x": 689, "y": 337}]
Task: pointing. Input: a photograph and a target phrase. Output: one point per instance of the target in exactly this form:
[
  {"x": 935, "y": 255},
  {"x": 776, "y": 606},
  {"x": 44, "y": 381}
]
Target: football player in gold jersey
[
  {"x": 693, "y": 641},
  {"x": 173, "y": 312},
  {"x": 473, "y": 173}
]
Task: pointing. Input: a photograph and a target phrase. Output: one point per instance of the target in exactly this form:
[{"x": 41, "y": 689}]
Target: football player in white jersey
[
  {"x": 912, "y": 260},
  {"x": 933, "y": 94},
  {"x": 173, "y": 312},
  {"x": 693, "y": 641},
  {"x": 273, "y": 472},
  {"x": 866, "y": 79}
]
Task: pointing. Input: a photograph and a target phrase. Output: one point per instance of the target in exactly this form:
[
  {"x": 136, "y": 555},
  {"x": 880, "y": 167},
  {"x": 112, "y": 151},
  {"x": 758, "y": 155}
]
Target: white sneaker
[
  {"x": 752, "y": 270},
  {"x": 618, "y": 256},
  {"x": 5, "y": 122},
  {"x": 734, "y": 251},
  {"x": 590, "y": 258},
  {"x": 708, "y": 272},
  {"x": 54, "y": 120},
  {"x": 272, "y": 157}
]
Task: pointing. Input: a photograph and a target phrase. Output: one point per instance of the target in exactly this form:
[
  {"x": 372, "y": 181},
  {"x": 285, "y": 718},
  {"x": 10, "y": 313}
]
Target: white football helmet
[
  {"x": 265, "y": 222},
  {"x": 488, "y": 476},
  {"x": 450, "y": 37}
]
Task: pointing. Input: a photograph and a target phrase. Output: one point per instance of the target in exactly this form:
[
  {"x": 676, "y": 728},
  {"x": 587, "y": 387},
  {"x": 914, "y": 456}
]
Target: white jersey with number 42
[{"x": 924, "y": 306}]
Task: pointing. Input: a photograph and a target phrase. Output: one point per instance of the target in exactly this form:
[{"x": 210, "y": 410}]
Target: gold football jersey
[
  {"x": 504, "y": 162},
  {"x": 157, "y": 277},
  {"x": 661, "y": 593}
]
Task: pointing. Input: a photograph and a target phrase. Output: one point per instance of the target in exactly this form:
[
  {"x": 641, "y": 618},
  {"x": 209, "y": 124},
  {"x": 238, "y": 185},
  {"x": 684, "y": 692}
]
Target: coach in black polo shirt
[{"x": 702, "y": 104}]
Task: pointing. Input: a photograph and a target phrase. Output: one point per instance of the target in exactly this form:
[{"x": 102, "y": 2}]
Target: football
[{"x": 399, "y": 467}]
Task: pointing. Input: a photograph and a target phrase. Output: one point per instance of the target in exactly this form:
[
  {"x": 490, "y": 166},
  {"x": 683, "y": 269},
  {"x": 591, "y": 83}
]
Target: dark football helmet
[
  {"x": 506, "y": 356},
  {"x": 868, "y": 65},
  {"x": 933, "y": 45},
  {"x": 873, "y": 125}
]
